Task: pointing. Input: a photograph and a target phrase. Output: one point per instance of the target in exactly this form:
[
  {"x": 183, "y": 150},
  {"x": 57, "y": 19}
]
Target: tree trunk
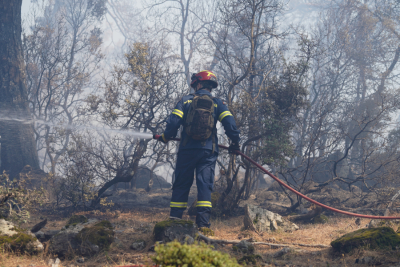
[{"x": 18, "y": 147}]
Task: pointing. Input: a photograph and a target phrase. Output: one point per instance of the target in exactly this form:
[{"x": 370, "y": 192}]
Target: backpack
[{"x": 199, "y": 122}]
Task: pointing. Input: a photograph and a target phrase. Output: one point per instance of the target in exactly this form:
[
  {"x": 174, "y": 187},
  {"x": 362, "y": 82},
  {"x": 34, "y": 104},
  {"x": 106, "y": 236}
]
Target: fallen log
[{"x": 234, "y": 242}]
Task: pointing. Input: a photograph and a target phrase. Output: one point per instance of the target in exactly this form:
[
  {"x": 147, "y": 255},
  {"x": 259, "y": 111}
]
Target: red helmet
[{"x": 204, "y": 75}]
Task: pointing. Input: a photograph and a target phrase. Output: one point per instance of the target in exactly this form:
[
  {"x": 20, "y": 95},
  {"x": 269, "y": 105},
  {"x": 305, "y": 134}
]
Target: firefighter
[{"x": 198, "y": 113}]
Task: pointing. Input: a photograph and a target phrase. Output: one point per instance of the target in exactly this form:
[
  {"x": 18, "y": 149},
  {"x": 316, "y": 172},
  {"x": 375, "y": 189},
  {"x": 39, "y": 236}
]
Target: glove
[
  {"x": 162, "y": 139},
  {"x": 233, "y": 148}
]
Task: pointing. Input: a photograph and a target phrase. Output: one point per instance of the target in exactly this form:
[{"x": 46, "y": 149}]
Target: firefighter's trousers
[{"x": 203, "y": 161}]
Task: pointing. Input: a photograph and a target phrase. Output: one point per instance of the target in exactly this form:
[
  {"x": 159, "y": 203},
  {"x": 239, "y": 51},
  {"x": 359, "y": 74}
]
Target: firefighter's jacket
[{"x": 221, "y": 113}]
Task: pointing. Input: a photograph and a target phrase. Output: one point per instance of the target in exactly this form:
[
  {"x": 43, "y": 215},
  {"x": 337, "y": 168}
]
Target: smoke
[{"x": 128, "y": 132}]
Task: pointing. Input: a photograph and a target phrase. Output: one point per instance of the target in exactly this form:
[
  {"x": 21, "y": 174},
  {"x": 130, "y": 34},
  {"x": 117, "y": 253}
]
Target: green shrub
[
  {"x": 18, "y": 242},
  {"x": 206, "y": 231},
  {"x": 75, "y": 219},
  {"x": 100, "y": 234},
  {"x": 17, "y": 199},
  {"x": 176, "y": 254}
]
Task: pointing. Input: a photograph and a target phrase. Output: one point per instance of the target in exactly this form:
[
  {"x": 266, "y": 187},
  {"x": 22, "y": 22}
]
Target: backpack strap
[
  {"x": 213, "y": 139},
  {"x": 185, "y": 124}
]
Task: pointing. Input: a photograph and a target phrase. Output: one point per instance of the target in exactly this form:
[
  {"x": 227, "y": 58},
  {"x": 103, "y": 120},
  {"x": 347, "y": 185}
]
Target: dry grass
[
  {"x": 139, "y": 224},
  {"x": 10, "y": 259}
]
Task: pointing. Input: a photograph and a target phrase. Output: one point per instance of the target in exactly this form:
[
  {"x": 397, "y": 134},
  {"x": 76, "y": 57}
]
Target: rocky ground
[{"x": 135, "y": 214}]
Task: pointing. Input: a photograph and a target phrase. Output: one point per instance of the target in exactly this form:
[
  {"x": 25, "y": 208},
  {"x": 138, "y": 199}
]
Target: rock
[
  {"x": 245, "y": 247},
  {"x": 367, "y": 260},
  {"x": 142, "y": 177},
  {"x": 18, "y": 239},
  {"x": 189, "y": 240},
  {"x": 170, "y": 230},
  {"x": 371, "y": 239},
  {"x": 49, "y": 234},
  {"x": 40, "y": 236},
  {"x": 374, "y": 223},
  {"x": 46, "y": 236},
  {"x": 81, "y": 236},
  {"x": 262, "y": 220},
  {"x": 7, "y": 228},
  {"x": 94, "y": 248},
  {"x": 138, "y": 245},
  {"x": 282, "y": 252},
  {"x": 54, "y": 263}
]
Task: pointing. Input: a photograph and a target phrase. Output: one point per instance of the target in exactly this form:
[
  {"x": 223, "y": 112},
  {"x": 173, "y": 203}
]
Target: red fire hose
[{"x": 300, "y": 194}]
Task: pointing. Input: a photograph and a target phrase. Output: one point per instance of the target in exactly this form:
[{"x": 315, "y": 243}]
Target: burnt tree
[{"x": 18, "y": 147}]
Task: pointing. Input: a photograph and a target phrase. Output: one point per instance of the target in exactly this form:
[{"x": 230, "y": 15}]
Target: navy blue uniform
[{"x": 197, "y": 155}]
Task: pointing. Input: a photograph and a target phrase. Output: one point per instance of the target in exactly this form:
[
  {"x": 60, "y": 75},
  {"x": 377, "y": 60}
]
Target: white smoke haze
[{"x": 101, "y": 86}]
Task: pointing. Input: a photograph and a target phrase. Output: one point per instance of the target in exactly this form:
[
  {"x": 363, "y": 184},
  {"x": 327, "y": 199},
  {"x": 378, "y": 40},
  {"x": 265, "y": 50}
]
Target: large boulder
[
  {"x": 44, "y": 236},
  {"x": 17, "y": 239},
  {"x": 372, "y": 238},
  {"x": 142, "y": 176},
  {"x": 180, "y": 230},
  {"x": 82, "y": 236},
  {"x": 262, "y": 220}
]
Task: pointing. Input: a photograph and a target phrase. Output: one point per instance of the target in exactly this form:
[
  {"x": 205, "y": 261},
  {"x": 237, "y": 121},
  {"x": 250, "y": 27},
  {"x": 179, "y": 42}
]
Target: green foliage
[
  {"x": 320, "y": 218},
  {"x": 256, "y": 219},
  {"x": 100, "y": 234},
  {"x": 17, "y": 199},
  {"x": 373, "y": 238},
  {"x": 176, "y": 254},
  {"x": 18, "y": 242},
  {"x": 206, "y": 231},
  {"x": 75, "y": 219},
  {"x": 276, "y": 143}
]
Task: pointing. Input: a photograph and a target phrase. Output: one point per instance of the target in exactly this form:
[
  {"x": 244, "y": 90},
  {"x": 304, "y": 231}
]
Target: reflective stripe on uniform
[
  {"x": 178, "y": 205},
  {"x": 224, "y": 114},
  {"x": 203, "y": 204},
  {"x": 163, "y": 137},
  {"x": 178, "y": 112}
]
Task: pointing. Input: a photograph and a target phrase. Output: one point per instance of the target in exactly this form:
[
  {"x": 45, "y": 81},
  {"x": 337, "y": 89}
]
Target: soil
[{"x": 136, "y": 212}]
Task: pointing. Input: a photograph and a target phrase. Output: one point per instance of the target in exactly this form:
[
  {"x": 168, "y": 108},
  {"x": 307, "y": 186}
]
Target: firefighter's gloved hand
[
  {"x": 162, "y": 139},
  {"x": 233, "y": 148}
]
